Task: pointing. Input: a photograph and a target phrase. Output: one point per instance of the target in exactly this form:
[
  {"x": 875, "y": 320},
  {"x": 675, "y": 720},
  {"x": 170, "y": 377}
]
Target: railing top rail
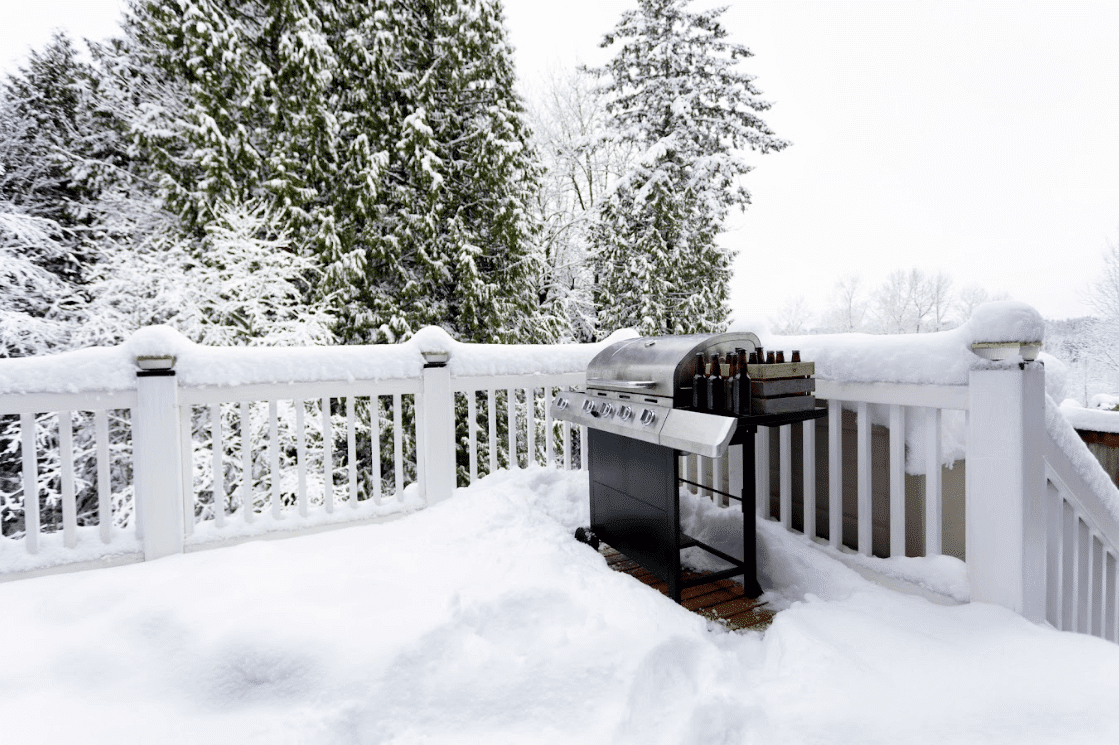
[
  {"x": 214, "y": 394},
  {"x": 534, "y": 380},
  {"x": 38, "y": 403},
  {"x": 905, "y": 394}
]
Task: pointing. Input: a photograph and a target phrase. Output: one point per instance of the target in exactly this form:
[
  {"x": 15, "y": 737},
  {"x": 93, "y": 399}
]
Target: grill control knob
[
  {"x": 648, "y": 417},
  {"x": 607, "y": 411},
  {"x": 561, "y": 403},
  {"x": 588, "y": 406},
  {"x": 625, "y": 413}
]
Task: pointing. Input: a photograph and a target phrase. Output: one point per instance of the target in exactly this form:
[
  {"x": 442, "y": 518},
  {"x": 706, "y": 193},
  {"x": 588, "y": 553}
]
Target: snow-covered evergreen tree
[
  {"x": 385, "y": 134},
  {"x": 675, "y": 94},
  {"x": 452, "y": 245}
]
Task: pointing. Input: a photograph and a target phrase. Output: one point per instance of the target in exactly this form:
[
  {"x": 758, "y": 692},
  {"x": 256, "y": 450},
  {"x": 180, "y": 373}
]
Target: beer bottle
[
  {"x": 769, "y": 358},
  {"x": 780, "y": 355},
  {"x": 715, "y": 387},
  {"x": 736, "y": 383},
  {"x": 796, "y": 355},
  {"x": 699, "y": 385},
  {"x": 727, "y": 374}
]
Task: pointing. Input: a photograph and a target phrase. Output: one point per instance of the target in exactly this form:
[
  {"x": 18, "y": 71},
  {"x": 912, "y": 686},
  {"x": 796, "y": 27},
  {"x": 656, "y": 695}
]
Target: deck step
[{"x": 723, "y": 601}]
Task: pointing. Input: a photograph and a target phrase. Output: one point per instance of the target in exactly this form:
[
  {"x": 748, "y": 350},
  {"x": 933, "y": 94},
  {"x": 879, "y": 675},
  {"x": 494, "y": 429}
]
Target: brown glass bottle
[
  {"x": 699, "y": 384},
  {"x": 730, "y": 366},
  {"x": 715, "y": 387},
  {"x": 780, "y": 356},
  {"x": 736, "y": 383}
]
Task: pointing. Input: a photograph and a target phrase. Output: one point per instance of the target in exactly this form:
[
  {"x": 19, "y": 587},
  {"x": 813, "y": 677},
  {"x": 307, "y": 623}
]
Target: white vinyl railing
[
  {"x": 1082, "y": 542},
  {"x": 135, "y": 474}
]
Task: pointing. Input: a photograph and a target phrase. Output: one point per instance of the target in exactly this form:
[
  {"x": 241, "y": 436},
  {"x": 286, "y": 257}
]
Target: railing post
[
  {"x": 1006, "y": 487},
  {"x": 436, "y": 414},
  {"x": 157, "y": 458}
]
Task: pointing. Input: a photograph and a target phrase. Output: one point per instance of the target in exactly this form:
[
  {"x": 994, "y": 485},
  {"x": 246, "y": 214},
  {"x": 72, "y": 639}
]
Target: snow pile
[
  {"x": 942, "y": 358},
  {"x": 1092, "y": 420},
  {"x": 1104, "y": 401},
  {"x": 482, "y": 620}
]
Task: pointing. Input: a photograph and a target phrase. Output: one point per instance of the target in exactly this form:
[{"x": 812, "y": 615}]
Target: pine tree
[
  {"x": 675, "y": 94},
  {"x": 386, "y": 134},
  {"x": 452, "y": 245}
]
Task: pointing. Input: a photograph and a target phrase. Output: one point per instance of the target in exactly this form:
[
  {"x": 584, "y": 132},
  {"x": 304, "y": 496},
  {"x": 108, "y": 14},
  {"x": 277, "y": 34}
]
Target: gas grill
[{"x": 639, "y": 407}]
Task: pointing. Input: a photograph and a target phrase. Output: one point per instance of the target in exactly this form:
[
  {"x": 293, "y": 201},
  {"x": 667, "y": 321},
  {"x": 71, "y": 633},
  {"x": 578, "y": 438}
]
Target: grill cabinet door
[{"x": 634, "y": 501}]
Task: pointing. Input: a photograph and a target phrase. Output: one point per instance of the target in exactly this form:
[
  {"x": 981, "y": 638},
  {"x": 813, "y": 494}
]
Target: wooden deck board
[{"x": 723, "y": 601}]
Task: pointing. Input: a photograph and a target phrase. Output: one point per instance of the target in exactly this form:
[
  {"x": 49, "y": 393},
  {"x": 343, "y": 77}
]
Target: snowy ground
[{"x": 481, "y": 620}]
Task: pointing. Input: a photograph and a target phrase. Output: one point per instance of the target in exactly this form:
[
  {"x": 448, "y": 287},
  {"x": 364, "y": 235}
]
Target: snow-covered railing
[
  {"x": 1081, "y": 519},
  {"x": 207, "y": 446}
]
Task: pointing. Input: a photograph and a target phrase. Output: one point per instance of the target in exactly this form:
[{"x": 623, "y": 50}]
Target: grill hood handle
[{"x": 622, "y": 383}]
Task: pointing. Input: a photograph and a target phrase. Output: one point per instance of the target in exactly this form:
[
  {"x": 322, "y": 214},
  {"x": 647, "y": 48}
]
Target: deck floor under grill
[{"x": 723, "y": 601}]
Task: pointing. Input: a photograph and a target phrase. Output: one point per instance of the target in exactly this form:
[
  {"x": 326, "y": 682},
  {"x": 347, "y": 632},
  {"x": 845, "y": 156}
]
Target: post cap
[
  {"x": 155, "y": 362},
  {"x": 1003, "y": 350}
]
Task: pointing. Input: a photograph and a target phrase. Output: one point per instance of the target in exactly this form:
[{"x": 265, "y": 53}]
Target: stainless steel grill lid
[{"x": 660, "y": 366}]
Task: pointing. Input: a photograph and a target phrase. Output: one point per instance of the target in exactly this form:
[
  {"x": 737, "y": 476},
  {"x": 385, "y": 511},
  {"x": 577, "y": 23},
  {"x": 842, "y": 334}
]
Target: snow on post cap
[
  {"x": 1005, "y": 321},
  {"x": 157, "y": 341}
]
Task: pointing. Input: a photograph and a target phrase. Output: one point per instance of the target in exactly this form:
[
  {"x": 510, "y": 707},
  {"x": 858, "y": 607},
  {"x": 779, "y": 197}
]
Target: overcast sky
[{"x": 977, "y": 138}]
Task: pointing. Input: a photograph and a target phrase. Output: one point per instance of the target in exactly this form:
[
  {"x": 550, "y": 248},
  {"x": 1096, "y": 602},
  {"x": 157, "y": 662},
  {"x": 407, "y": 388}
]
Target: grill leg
[{"x": 749, "y": 519}]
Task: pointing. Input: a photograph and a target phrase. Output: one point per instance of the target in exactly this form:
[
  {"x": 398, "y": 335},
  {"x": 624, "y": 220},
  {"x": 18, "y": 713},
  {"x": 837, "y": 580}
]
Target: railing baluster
[
  {"x": 785, "y": 473},
  {"x": 398, "y": 445},
  {"x": 808, "y": 451},
  {"x": 862, "y": 469},
  {"x": 934, "y": 498},
  {"x": 1097, "y": 587},
  {"x": 530, "y": 424},
  {"x": 351, "y": 449},
  {"x": 1054, "y": 555},
  {"x": 735, "y": 467},
  {"x": 835, "y": 474},
  {"x": 722, "y": 465},
  {"x": 30, "y": 482},
  {"x": 1111, "y": 632},
  {"x": 761, "y": 471},
  {"x": 897, "y": 480},
  {"x": 584, "y": 453},
  {"x": 186, "y": 468},
  {"x": 66, "y": 458},
  {"x": 549, "y": 433},
  {"x": 567, "y": 446},
  {"x": 274, "y": 455},
  {"x": 1082, "y": 584},
  {"x": 104, "y": 483},
  {"x": 375, "y": 444},
  {"x": 1068, "y": 567},
  {"x": 472, "y": 432},
  {"x": 247, "y": 508},
  {"x": 217, "y": 476},
  {"x": 327, "y": 457},
  {"x": 511, "y": 411},
  {"x": 491, "y": 396},
  {"x": 301, "y": 455}
]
